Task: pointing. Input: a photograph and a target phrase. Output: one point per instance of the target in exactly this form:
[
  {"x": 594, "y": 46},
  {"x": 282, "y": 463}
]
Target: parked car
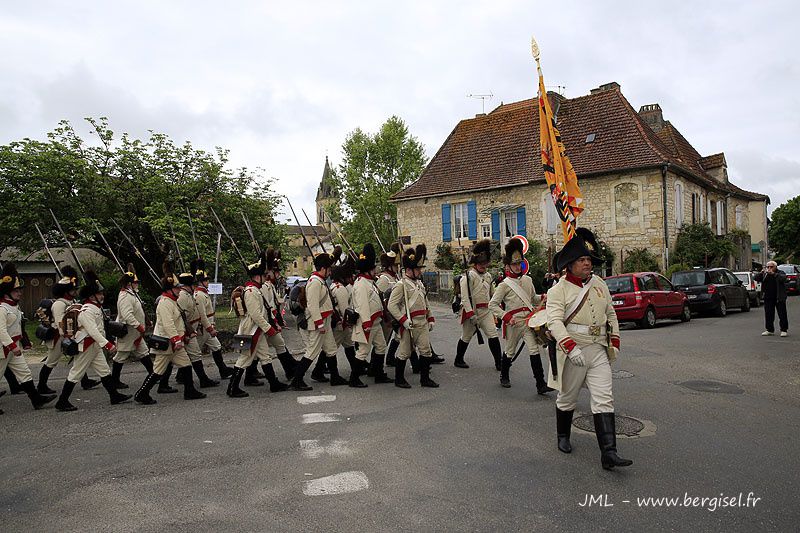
[
  {"x": 712, "y": 290},
  {"x": 792, "y": 273},
  {"x": 645, "y": 297},
  {"x": 753, "y": 287}
]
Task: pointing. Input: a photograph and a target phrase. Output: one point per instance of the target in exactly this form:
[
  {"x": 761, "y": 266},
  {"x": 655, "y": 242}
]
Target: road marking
[
  {"x": 313, "y": 450},
  {"x": 316, "y": 418},
  {"x": 343, "y": 483},
  {"x": 308, "y": 400}
]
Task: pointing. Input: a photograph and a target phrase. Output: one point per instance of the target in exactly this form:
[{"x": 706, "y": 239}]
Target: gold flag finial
[{"x": 534, "y": 49}]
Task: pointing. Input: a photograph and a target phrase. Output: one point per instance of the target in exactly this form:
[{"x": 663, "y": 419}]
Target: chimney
[
  {"x": 555, "y": 102},
  {"x": 611, "y": 86},
  {"x": 652, "y": 116}
]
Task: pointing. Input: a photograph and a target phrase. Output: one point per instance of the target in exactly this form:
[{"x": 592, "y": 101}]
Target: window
[
  {"x": 648, "y": 283},
  {"x": 509, "y": 224},
  {"x": 678, "y": 204},
  {"x": 460, "y": 228},
  {"x": 701, "y": 208},
  {"x": 549, "y": 215},
  {"x": 620, "y": 284},
  {"x": 486, "y": 230},
  {"x": 718, "y": 277},
  {"x": 665, "y": 283},
  {"x": 719, "y": 217},
  {"x": 739, "y": 216}
]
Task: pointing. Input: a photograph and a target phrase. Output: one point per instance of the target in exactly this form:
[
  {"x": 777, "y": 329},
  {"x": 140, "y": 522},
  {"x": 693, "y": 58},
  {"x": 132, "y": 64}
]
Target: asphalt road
[{"x": 469, "y": 456}]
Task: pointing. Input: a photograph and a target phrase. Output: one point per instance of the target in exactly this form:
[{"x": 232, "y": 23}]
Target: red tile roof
[{"x": 501, "y": 149}]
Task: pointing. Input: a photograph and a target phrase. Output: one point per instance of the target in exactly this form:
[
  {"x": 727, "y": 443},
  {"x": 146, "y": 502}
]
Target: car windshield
[
  {"x": 689, "y": 278},
  {"x": 621, "y": 284},
  {"x": 744, "y": 278},
  {"x": 789, "y": 269}
]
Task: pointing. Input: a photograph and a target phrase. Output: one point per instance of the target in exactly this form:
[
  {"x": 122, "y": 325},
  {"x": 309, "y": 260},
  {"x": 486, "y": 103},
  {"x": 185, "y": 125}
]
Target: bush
[
  {"x": 640, "y": 260},
  {"x": 445, "y": 258},
  {"x": 677, "y": 267},
  {"x": 698, "y": 245}
]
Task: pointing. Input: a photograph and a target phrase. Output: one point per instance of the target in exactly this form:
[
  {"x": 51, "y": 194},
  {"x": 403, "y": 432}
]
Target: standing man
[
  {"x": 130, "y": 311},
  {"x": 205, "y": 305},
  {"x": 195, "y": 323},
  {"x": 272, "y": 302},
  {"x": 11, "y": 335},
  {"x": 368, "y": 302},
  {"x": 342, "y": 291},
  {"x": 65, "y": 290},
  {"x": 408, "y": 304},
  {"x": 582, "y": 320},
  {"x": 475, "y": 298},
  {"x": 773, "y": 285},
  {"x": 514, "y": 299},
  {"x": 91, "y": 341},
  {"x": 386, "y": 281}
]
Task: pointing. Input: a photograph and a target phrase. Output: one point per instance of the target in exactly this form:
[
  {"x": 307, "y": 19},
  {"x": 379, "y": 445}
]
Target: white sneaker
[
  {"x": 767, "y": 333},
  {"x": 784, "y": 334}
]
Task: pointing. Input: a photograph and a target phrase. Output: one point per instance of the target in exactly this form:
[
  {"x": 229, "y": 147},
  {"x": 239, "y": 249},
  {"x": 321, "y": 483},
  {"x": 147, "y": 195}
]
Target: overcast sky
[{"x": 281, "y": 84}]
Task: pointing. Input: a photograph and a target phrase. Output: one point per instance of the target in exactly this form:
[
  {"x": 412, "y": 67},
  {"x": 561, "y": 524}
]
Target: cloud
[{"x": 778, "y": 177}]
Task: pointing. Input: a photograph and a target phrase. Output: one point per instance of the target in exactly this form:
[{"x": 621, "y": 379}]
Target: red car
[{"x": 644, "y": 297}]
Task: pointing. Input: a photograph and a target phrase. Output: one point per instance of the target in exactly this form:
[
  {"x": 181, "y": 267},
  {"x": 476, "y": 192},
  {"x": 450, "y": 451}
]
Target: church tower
[{"x": 326, "y": 197}]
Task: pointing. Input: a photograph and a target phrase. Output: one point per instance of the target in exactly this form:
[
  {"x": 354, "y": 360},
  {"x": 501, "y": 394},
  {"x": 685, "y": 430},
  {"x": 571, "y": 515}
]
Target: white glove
[{"x": 576, "y": 356}]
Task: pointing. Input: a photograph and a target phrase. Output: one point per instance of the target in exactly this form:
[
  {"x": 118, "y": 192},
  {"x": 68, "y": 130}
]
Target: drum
[{"x": 537, "y": 321}]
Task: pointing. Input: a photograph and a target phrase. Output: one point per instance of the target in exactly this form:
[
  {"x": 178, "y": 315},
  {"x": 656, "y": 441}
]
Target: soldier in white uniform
[
  {"x": 207, "y": 337},
  {"x": 368, "y": 303},
  {"x": 91, "y": 341},
  {"x": 11, "y": 335},
  {"x": 475, "y": 298},
  {"x": 342, "y": 291},
  {"x": 514, "y": 299},
  {"x": 581, "y": 318},
  {"x": 408, "y": 303},
  {"x": 272, "y": 300},
  {"x": 130, "y": 311},
  {"x": 197, "y": 322},
  {"x": 169, "y": 342},
  {"x": 387, "y": 279}
]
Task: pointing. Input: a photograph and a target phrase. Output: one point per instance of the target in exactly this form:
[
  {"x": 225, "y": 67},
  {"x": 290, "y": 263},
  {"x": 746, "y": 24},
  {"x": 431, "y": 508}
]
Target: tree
[
  {"x": 141, "y": 184},
  {"x": 784, "y": 230},
  {"x": 640, "y": 260},
  {"x": 697, "y": 245},
  {"x": 373, "y": 169}
]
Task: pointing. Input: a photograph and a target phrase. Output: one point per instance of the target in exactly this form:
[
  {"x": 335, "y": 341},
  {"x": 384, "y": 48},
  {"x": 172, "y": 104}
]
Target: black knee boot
[
  {"x": 63, "y": 400},
  {"x": 497, "y": 352},
  {"x": 111, "y": 389},
  {"x": 461, "y": 350},
  {"x": 377, "y": 369},
  {"x": 13, "y": 385},
  {"x": 425, "y": 373},
  {"x": 297, "y": 383},
  {"x": 275, "y": 385},
  {"x": 355, "y": 368},
  {"x": 44, "y": 375},
  {"x": 538, "y": 374},
  {"x": 37, "y": 400},
  {"x": 604, "y": 427},
  {"x": 87, "y": 383},
  {"x": 505, "y": 368},
  {"x": 563, "y": 429},
  {"x": 116, "y": 371},
  {"x": 390, "y": 351},
  {"x": 288, "y": 363},
  {"x": 251, "y": 375},
  {"x": 399, "y": 374},
  {"x": 147, "y": 363},
  {"x": 414, "y": 358},
  {"x": 202, "y": 377},
  {"x": 189, "y": 392},
  {"x": 234, "y": 390},
  {"x": 142, "y": 396},
  {"x": 333, "y": 366},
  {"x": 224, "y": 370},
  {"x": 318, "y": 374},
  {"x": 163, "y": 384},
  {"x": 436, "y": 359}
]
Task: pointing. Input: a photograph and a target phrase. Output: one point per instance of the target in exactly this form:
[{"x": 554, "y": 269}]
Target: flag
[{"x": 561, "y": 178}]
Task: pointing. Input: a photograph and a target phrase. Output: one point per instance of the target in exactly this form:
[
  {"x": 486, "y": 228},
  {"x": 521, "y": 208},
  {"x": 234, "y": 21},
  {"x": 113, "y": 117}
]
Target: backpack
[
  {"x": 456, "y": 303},
  {"x": 297, "y": 299},
  {"x": 237, "y": 302},
  {"x": 69, "y": 324},
  {"x": 44, "y": 312}
]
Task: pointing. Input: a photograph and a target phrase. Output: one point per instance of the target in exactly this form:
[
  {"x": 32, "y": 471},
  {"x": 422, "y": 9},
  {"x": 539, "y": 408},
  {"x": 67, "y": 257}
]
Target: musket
[
  {"x": 174, "y": 239},
  {"x": 47, "y": 249},
  {"x": 228, "y": 235},
  {"x": 402, "y": 281},
  {"x": 191, "y": 226},
  {"x": 71, "y": 249},
  {"x": 249, "y": 228},
  {"x": 469, "y": 290},
  {"x": 336, "y": 228},
  {"x": 108, "y": 247},
  {"x": 300, "y": 228},
  {"x": 138, "y": 253},
  {"x": 374, "y": 229},
  {"x": 314, "y": 229}
]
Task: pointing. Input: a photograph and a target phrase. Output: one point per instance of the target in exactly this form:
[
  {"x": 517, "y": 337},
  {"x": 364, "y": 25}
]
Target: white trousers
[{"x": 595, "y": 375}]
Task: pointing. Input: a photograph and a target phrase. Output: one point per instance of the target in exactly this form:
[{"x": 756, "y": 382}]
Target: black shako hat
[
  {"x": 481, "y": 252},
  {"x": 258, "y": 268},
  {"x": 366, "y": 259},
  {"x": 198, "y": 268},
  {"x": 92, "y": 285},
  {"x": 415, "y": 257}
]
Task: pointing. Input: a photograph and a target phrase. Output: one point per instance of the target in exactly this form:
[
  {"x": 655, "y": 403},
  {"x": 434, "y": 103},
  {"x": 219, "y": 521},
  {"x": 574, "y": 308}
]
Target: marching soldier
[
  {"x": 208, "y": 335},
  {"x": 91, "y": 341},
  {"x": 342, "y": 292},
  {"x": 476, "y": 291},
  {"x": 408, "y": 303},
  {"x": 581, "y": 318},
  {"x": 196, "y": 321},
  {"x": 130, "y": 311},
  {"x": 514, "y": 299},
  {"x": 368, "y": 303},
  {"x": 11, "y": 336},
  {"x": 386, "y": 281},
  {"x": 257, "y": 323},
  {"x": 169, "y": 338},
  {"x": 273, "y": 306}
]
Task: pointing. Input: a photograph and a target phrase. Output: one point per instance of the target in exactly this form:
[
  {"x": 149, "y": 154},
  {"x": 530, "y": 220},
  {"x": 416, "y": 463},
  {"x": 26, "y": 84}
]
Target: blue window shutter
[
  {"x": 446, "y": 223},
  {"x": 496, "y": 225},
  {"x": 472, "y": 220},
  {"x": 521, "y": 221}
]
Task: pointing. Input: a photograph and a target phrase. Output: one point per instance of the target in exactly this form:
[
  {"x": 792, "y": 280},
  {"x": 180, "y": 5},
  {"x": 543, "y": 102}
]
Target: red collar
[
  {"x": 88, "y": 301},
  {"x": 9, "y": 301},
  {"x": 201, "y": 289},
  {"x": 318, "y": 275},
  {"x": 168, "y": 294},
  {"x": 576, "y": 280},
  {"x": 366, "y": 276},
  {"x": 510, "y": 274},
  {"x": 68, "y": 298},
  {"x": 252, "y": 283},
  {"x": 390, "y": 273}
]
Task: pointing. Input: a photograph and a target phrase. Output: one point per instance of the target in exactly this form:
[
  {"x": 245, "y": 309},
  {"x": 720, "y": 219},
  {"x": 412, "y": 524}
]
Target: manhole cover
[
  {"x": 620, "y": 374},
  {"x": 625, "y": 425},
  {"x": 707, "y": 385}
]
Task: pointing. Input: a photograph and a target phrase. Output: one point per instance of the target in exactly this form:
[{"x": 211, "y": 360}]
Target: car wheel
[
  {"x": 746, "y": 306},
  {"x": 686, "y": 314},
  {"x": 649, "y": 319},
  {"x": 722, "y": 309}
]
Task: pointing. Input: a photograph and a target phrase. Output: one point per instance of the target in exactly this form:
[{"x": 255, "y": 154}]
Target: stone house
[{"x": 641, "y": 181}]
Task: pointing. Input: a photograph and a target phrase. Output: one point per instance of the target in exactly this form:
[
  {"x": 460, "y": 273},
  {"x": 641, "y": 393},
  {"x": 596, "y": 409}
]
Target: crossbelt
[{"x": 595, "y": 331}]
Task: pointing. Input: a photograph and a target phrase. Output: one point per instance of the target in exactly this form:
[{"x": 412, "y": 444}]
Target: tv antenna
[{"x": 483, "y": 98}]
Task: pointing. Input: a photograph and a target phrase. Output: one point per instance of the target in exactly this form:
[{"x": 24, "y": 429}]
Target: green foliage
[
  {"x": 374, "y": 168},
  {"x": 445, "y": 258},
  {"x": 677, "y": 267},
  {"x": 537, "y": 263},
  {"x": 135, "y": 182},
  {"x": 698, "y": 246},
  {"x": 784, "y": 230},
  {"x": 640, "y": 260}
]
